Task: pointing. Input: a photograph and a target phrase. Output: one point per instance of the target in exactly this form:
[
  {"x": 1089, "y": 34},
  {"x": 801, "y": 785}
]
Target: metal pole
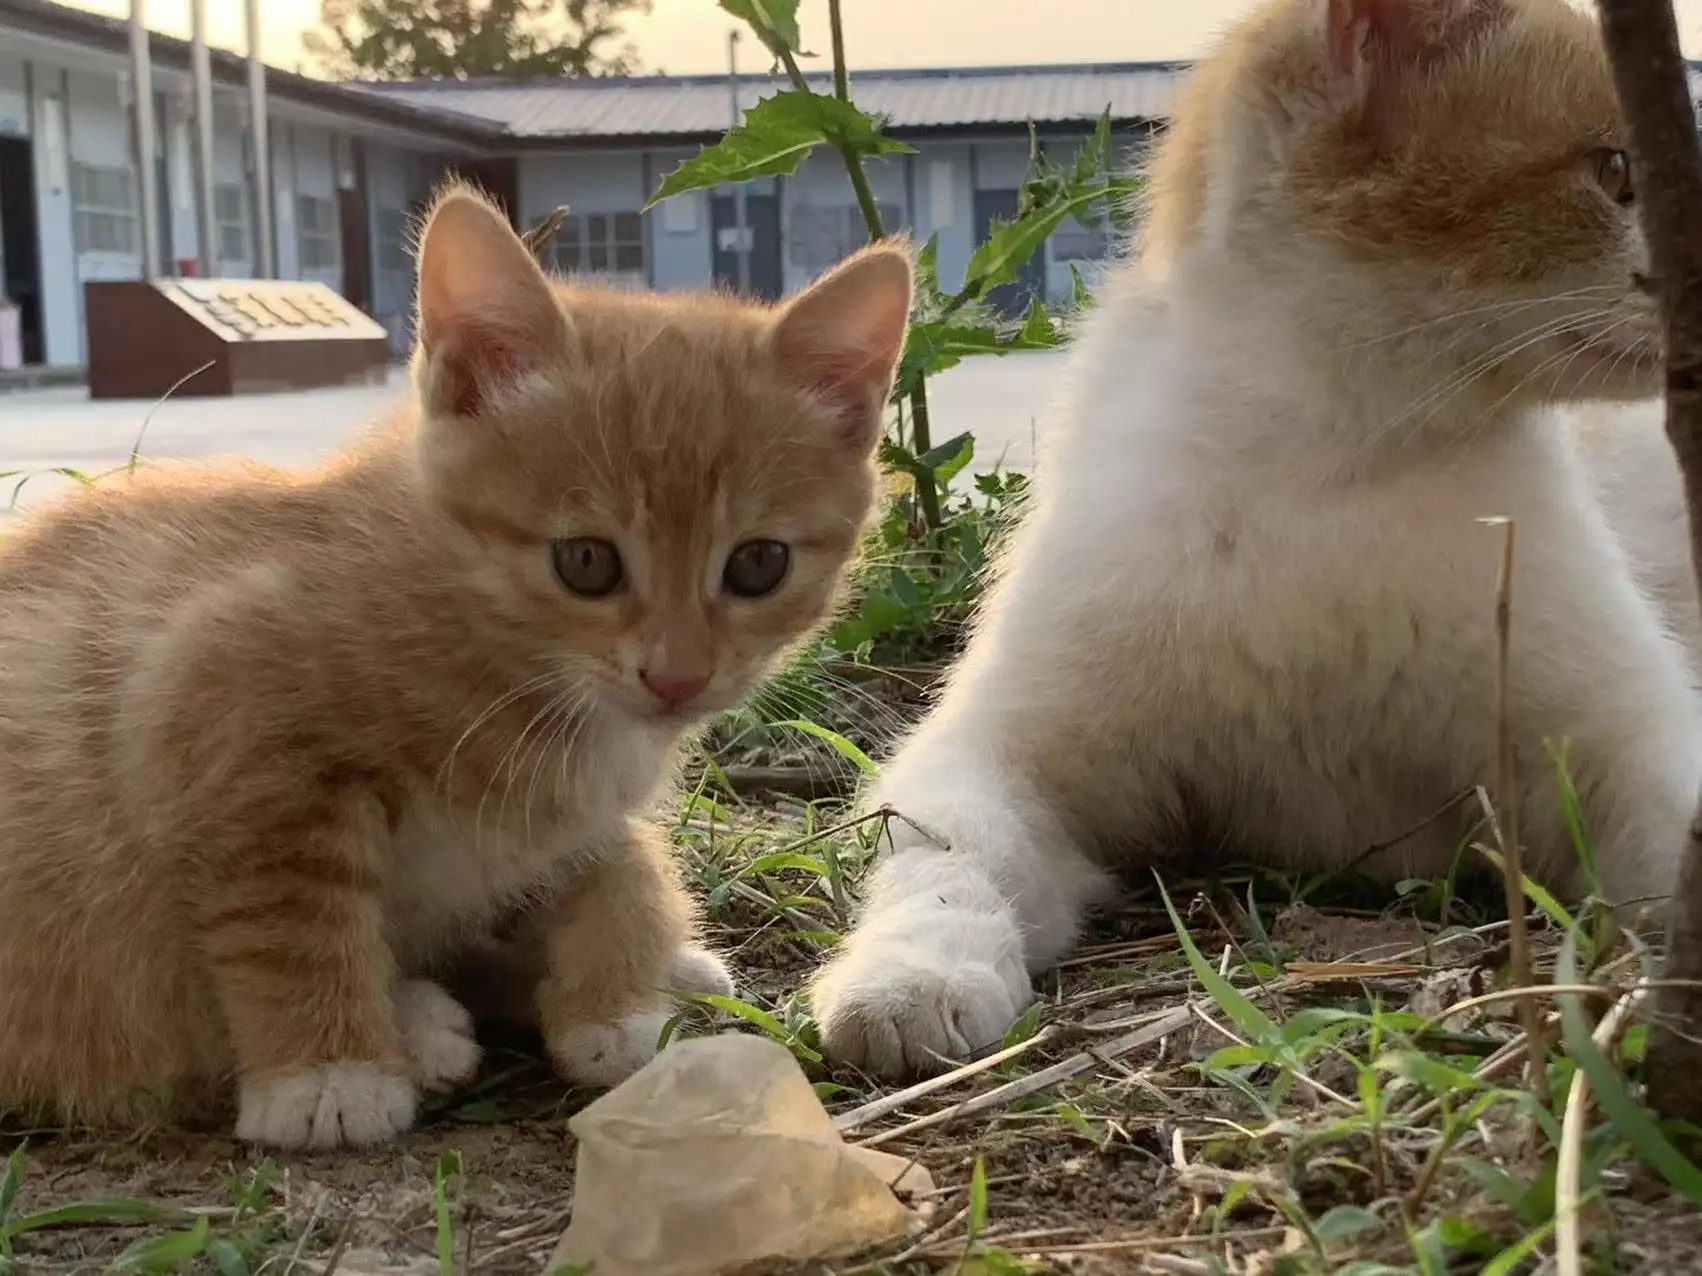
[
  {"x": 142, "y": 112},
  {"x": 740, "y": 223},
  {"x": 201, "y": 72},
  {"x": 265, "y": 253}
]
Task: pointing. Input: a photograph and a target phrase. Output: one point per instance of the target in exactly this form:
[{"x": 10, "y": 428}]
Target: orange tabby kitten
[{"x": 275, "y": 749}]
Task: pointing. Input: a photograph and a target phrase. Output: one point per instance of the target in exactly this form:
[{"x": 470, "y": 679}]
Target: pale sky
[{"x": 690, "y": 35}]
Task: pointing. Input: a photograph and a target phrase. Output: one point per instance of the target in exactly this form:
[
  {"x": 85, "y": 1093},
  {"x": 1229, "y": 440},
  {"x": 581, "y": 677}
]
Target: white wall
[{"x": 14, "y": 101}]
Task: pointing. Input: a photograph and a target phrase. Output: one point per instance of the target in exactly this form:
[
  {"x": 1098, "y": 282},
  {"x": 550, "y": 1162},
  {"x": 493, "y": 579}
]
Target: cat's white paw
[
  {"x": 327, "y": 1106},
  {"x": 438, "y": 1032},
  {"x": 901, "y": 1001},
  {"x": 698, "y": 970},
  {"x": 607, "y": 1054}
]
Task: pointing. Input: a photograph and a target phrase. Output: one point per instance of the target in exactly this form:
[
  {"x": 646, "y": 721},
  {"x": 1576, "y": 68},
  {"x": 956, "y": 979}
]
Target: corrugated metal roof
[
  {"x": 683, "y": 106},
  {"x": 112, "y": 35}
]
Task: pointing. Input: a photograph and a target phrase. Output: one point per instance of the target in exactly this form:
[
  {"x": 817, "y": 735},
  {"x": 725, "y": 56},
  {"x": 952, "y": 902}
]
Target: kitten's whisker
[
  {"x": 503, "y": 763},
  {"x": 535, "y": 747},
  {"x": 555, "y": 743},
  {"x": 445, "y": 772}
]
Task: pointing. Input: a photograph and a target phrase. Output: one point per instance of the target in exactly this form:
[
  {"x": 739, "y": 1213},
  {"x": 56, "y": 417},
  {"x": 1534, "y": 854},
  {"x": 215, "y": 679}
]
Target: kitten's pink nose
[{"x": 674, "y": 687}]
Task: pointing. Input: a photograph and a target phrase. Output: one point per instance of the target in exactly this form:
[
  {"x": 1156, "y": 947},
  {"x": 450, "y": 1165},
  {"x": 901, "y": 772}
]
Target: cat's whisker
[
  {"x": 1495, "y": 309},
  {"x": 445, "y": 772},
  {"x": 1473, "y": 371},
  {"x": 513, "y": 759},
  {"x": 554, "y": 743}
]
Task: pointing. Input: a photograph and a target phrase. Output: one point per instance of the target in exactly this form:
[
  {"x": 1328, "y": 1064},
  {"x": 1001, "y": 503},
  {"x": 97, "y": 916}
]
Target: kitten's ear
[
  {"x": 842, "y": 336},
  {"x": 486, "y": 313},
  {"x": 1370, "y": 33}
]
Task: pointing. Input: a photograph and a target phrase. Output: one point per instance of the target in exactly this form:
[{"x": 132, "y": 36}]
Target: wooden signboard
[{"x": 257, "y": 335}]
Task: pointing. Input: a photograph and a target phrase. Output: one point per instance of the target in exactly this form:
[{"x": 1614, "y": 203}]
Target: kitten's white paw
[
  {"x": 607, "y": 1054},
  {"x": 438, "y": 1031},
  {"x": 327, "y": 1106},
  {"x": 901, "y": 1001},
  {"x": 699, "y": 970}
]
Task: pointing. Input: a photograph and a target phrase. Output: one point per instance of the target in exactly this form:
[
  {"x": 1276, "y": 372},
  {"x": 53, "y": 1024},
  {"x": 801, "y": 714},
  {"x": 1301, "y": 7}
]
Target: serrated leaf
[
  {"x": 1000, "y": 258},
  {"x": 1037, "y": 330},
  {"x": 771, "y": 20},
  {"x": 774, "y": 137}
]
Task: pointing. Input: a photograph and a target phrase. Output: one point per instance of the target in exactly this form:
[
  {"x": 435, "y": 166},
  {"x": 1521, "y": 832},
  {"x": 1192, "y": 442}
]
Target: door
[
  {"x": 357, "y": 248},
  {"x": 1013, "y": 298},
  {"x": 20, "y": 256},
  {"x": 762, "y": 221}
]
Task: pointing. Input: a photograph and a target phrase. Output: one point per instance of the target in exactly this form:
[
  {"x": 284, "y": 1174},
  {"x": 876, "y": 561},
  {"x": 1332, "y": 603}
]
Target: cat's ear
[
  {"x": 486, "y": 313},
  {"x": 1366, "y": 35},
  {"x": 842, "y": 336}
]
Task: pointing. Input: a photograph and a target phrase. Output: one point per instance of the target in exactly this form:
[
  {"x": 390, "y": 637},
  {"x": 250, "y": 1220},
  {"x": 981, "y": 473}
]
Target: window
[
  {"x": 610, "y": 245},
  {"x": 1074, "y": 242},
  {"x": 819, "y": 237},
  {"x": 316, "y": 231},
  {"x": 103, "y": 204},
  {"x": 230, "y": 216}
]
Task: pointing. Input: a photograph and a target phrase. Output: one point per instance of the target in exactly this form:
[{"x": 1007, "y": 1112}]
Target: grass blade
[
  {"x": 843, "y": 747},
  {"x": 1633, "y": 1121},
  {"x": 1252, "y": 1021}
]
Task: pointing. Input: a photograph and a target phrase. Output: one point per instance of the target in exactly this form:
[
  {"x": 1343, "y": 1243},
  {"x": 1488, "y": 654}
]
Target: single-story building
[{"x": 350, "y": 165}]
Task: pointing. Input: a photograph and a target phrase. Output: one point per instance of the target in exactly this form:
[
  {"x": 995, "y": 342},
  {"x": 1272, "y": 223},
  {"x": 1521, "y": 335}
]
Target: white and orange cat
[
  {"x": 276, "y": 749},
  {"x": 1252, "y": 603}
]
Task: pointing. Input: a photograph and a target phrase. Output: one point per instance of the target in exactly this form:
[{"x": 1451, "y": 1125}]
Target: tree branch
[{"x": 1649, "y": 72}]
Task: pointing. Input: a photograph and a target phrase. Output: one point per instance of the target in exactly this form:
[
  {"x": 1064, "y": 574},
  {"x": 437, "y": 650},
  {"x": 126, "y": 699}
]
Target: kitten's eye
[
  {"x": 756, "y": 568},
  {"x": 588, "y": 566},
  {"x": 1613, "y": 173}
]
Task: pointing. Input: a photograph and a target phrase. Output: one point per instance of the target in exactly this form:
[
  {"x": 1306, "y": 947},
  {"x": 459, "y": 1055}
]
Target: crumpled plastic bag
[{"x": 717, "y": 1155}]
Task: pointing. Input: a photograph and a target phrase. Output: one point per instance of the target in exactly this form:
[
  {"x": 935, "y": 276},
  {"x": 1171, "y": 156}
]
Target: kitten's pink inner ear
[
  {"x": 841, "y": 338},
  {"x": 486, "y": 311}
]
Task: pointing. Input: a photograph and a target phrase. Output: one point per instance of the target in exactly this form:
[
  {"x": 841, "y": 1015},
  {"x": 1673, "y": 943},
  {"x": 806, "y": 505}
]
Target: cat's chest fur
[
  {"x": 452, "y": 872},
  {"x": 456, "y": 864}
]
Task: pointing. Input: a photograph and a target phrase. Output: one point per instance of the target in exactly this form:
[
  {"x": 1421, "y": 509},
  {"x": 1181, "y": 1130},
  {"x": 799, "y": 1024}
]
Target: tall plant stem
[{"x": 927, "y": 490}]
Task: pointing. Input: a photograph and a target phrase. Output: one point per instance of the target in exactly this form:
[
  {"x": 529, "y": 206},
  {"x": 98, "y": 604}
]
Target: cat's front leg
[
  {"x": 981, "y": 890},
  {"x": 614, "y": 942},
  {"x": 294, "y": 935},
  {"x": 1633, "y": 754}
]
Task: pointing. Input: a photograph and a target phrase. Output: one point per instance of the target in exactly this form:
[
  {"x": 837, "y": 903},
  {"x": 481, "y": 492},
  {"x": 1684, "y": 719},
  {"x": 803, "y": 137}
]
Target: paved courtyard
[{"x": 1000, "y": 400}]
